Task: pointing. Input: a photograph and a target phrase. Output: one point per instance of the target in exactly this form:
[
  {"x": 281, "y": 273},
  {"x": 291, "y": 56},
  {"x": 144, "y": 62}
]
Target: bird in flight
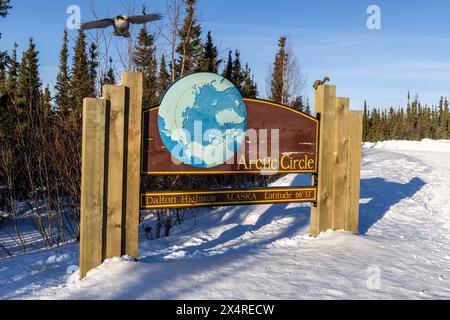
[{"x": 121, "y": 24}]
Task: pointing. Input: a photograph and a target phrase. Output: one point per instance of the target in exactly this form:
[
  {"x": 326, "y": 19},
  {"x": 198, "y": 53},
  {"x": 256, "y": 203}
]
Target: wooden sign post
[
  {"x": 117, "y": 149},
  {"x": 110, "y": 188},
  {"x": 338, "y": 177},
  {"x": 94, "y": 155}
]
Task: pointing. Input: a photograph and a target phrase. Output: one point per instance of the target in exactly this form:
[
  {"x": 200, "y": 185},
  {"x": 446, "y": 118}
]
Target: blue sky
[{"x": 411, "y": 52}]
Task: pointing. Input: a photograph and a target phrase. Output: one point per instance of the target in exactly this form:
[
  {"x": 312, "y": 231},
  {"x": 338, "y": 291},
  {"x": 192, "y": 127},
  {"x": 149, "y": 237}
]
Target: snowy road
[{"x": 264, "y": 252}]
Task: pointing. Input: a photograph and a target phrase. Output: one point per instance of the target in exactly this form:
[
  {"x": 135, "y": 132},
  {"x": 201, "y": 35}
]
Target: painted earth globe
[{"x": 202, "y": 120}]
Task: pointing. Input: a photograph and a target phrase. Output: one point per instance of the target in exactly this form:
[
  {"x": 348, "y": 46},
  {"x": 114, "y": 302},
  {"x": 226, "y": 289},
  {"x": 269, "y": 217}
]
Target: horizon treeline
[{"x": 413, "y": 122}]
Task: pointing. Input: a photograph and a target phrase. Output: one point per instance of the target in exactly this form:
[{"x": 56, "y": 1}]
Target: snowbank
[
  {"x": 265, "y": 252},
  {"x": 426, "y": 145}
]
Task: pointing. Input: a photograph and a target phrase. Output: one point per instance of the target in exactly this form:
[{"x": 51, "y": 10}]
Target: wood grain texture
[
  {"x": 341, "y": 163},
  {"x": 115, "y": 96},
  {"x": 354, "y": 171},
  {"x": 92, "y": 184},
  {"x": 321, "y": 214},
  {"x": 134, "y": 86}
]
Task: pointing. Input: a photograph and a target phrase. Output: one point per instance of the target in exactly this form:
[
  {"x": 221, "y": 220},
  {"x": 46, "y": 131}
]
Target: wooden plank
[
  {"x": 321, "y": 214},
  {"x": 92, "y": 184},
  {"x": 354, "y": 170},
  {"x": 340, "y": 163},
  {"x": 134, "y": 84},
  {"x": 115, "y": 197}
]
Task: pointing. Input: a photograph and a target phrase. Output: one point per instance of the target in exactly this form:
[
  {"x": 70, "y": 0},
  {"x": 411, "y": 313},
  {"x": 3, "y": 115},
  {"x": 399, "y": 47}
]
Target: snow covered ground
[{"x": 264, "y": 252}]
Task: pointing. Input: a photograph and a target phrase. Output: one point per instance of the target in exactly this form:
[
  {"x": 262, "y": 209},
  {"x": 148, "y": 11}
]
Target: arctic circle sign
[{"x": 204, "y": 127}]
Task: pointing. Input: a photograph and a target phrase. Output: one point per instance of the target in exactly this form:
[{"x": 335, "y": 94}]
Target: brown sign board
[
  {"x": 195, "y": 199},
  {"x": 298, "y": 144}
]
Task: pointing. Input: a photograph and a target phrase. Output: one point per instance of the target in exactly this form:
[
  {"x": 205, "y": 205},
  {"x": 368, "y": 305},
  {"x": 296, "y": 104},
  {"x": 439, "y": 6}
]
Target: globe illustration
[{"x": 202, "y": 120}]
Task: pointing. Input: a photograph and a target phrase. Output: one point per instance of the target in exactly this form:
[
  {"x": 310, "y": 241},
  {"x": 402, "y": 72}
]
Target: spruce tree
[
  {"x": 111, "y": 74},
  {"x": 145, "y": 62},
  {"x": 249, "y": 89},
  {"x": 27, "y": 126},
  {"x": 237, "y": 76},
  {"x": 163, "y": 77},
  {"x": 435, "y": 122},
  {"x": 365, "y": 122},
  {"x": 445, "y": 122},
  {"x": 4, "y": 9},
  {"x": 228, "y": 70},
  {"x": 190, "y": 47},
  {"x": 278, "y": 90},
  {"x": 10, "y": 116},
  {"x": 308, "y": 107},
  {"x": 29, "y": 82},
  {"x": 246, "y": 82},
  {"x": 254, "y": 92},
  {"x": 3, "y": 64},
  {"x": 440, "y": 114},
  {"x": 297, "y": 104},
  {"x": 109, "y": 77},
  {"x": 93, "y": 62},
  {"x": 81, "y": 85},
  {"x": 62, "y": 88},
  {"x": 210, "y": 61},
  {"x": 46, "y": 104},
  {"x": 13, "y": 73}
]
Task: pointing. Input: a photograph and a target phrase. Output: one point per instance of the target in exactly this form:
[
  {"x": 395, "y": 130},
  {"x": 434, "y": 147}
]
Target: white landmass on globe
[
  {"x": 215, "y": 153},
  {"x": 229, "y": 116},
  {"x": 186, "y": 100}
]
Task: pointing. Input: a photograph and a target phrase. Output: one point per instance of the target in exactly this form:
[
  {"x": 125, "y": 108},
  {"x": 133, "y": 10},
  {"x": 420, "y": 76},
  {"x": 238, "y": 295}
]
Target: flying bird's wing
[
  {"x": 100, "y": 24},
  {"x": 145, "y": 18}
]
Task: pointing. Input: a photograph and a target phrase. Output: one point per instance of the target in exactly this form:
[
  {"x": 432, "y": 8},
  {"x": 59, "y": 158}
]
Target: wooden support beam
[
  {"x": 354, "y": 171},
  {"x": 116, "y": 96},
  {"x": 95, "y": 114},
  {"x": 325, "y": 105},
  {"x": 341, "y": 163},
  {"x": 134, "y": 91}
]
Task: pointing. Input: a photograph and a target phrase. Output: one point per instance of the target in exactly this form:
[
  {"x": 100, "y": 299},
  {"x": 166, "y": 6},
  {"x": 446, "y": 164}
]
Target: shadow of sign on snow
[
  {"x": 383, "y": 195},
  {"x": 252, "y": 227},
  {"x": 251, "y": 236},
  {"x": 247, "y": 236}
]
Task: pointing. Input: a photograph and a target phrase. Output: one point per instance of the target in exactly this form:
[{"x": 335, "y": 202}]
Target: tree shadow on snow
[{"x": 383, "y": 195}]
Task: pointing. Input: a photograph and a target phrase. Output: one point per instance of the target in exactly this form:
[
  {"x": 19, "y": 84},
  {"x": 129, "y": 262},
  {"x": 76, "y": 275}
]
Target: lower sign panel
[{"x": 179, "y": 200}]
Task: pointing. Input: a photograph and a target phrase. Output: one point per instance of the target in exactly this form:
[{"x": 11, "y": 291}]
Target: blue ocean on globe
[{"x": 203, "y": 120}]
